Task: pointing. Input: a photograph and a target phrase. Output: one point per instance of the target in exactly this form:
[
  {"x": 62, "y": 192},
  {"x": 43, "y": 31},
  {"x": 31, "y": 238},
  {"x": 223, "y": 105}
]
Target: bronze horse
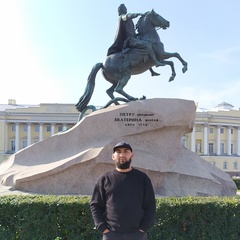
[{"x": 132, "y": 58}]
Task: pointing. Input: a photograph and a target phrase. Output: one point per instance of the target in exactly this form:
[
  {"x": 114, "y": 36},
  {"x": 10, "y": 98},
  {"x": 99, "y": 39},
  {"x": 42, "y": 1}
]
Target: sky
[{"x": 48, "y": 48}]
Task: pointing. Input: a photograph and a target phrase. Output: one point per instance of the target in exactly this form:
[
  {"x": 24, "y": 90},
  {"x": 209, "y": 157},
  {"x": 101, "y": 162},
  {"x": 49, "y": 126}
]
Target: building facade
[
  {"x": 23, "y": 125},
  {"x": 215, "y": 136}
]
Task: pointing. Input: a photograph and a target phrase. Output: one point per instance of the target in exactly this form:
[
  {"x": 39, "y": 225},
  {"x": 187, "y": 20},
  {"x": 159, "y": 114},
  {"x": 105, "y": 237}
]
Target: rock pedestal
[{"x": 72, "y": 161}]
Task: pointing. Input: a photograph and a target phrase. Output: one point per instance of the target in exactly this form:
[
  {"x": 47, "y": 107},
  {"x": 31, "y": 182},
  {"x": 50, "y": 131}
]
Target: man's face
[{"x": 122, "y": 157}]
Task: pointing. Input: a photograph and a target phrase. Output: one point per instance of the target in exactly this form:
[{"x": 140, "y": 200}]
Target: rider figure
[{"x": 126, "y": 37}]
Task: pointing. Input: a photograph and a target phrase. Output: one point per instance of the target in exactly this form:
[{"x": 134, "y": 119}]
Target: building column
[
  {"x": 52, "y": 129},
  {"x": 29, "y": 134},
  {"x": 193, "y": 140},
  {"x": 218, "y": 139},
  {"x": 40, "y": 132},
  {"x": 184, "y": 141},
  {"x": 6, "y": 137},
  {"x": 64, "y": 126},
  {"x": 238, "y": 141},
  {"x": 17, "y": 137},
  {"x": 205, "y": 139},
  {"x": 229, "y": 140}
]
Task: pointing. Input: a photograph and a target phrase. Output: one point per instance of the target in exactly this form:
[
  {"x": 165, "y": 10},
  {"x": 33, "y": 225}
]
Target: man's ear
[{"x": 113, "y": 157}]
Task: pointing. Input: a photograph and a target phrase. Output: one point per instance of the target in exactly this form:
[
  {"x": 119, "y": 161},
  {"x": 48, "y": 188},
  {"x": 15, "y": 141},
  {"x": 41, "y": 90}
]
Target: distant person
[
  {"x": 126, "y": 38},
  {"x": 123, "y": 201}
]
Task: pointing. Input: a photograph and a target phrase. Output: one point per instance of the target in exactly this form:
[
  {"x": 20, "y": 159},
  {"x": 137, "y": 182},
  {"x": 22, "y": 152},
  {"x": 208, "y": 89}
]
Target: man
[
  {"x": 126, "y": 38},
  {"x": 123, "y": 201}
]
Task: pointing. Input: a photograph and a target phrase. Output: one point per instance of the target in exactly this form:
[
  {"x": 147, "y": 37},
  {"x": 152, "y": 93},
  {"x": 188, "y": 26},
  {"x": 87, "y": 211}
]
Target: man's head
[
  {"x": 122, "y": 155},
  {"x": 122, "y": 145},
  {"x": 122, "y": 9}
]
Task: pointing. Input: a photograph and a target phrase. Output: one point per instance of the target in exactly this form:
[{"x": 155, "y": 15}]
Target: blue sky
[{"x": 48, "y": 48}]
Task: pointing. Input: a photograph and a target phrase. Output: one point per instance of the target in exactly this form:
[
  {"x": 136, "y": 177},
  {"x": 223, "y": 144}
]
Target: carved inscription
[{"x": 131, "y": 119}]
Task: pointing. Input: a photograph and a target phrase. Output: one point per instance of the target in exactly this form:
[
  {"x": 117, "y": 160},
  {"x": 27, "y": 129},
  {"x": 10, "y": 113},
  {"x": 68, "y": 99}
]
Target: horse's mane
[{"x": 138, "y": 25}]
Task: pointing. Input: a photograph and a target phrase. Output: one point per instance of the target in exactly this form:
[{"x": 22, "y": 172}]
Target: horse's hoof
[
  {"x": 143, "y": 97},
  {"x": 171, "y": 79},
  {"x": 155, "y": 74},
  {"x": 184, "y": 69}
]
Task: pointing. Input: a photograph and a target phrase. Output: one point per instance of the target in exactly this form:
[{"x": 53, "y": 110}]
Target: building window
[
  {"x": 232, "y": 148},
  {"x": 48, "y": 128},
  {"x": 60, "y": 128},
  {"x": 198, "y": 147},
  {"x": 235, "y": 165},
  {"x": 222, "y": 130},
  {"x": 225, "y": 165},
  {"x": 24, "y": 143},
  {"x": 221, "y": 148},
  {"x": 211, "y": 130},
  {"x": 36, "y": 128},
  {"x": 25, "y": 128},
  {"x": 231, "y": 130},
  {"x": 184, "y": 142},
  {"x": 12, "y": 145},
  {"x": 13, "y": 128},
  {"x": 210, "y": 148}
]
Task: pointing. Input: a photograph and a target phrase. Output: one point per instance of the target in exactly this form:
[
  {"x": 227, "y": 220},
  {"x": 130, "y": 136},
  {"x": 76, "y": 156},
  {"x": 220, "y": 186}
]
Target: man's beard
[{"x": 124, "y": 165}]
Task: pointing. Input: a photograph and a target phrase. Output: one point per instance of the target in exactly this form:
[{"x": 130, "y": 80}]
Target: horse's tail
[{"x": 86, "y": 97}]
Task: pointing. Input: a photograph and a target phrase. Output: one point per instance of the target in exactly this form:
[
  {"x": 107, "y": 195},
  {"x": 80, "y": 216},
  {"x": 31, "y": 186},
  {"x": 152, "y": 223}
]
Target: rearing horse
[
  {"x": 132, "y": 58},
  {"x": 146, "y": 27}
]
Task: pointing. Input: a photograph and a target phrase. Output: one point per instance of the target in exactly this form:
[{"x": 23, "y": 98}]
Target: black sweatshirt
[{"x": 123, "y": 202}]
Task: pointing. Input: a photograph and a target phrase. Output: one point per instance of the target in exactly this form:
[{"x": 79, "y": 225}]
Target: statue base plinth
[{"x": 72, "y": 161}]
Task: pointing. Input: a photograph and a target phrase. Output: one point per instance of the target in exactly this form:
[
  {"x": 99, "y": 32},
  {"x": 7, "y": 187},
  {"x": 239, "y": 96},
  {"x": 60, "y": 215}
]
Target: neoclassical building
[
  {"x": 215, "y": 136},
  {"x": 23, "y": 125}
]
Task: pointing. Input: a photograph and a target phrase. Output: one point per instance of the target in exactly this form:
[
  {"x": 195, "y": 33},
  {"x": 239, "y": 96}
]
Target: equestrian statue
[{"x": 131, "y": 53}]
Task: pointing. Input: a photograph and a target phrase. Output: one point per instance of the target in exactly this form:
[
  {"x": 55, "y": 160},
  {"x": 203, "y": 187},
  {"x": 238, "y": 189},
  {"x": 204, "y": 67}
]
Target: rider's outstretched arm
[{"x": 131, "y": 16}]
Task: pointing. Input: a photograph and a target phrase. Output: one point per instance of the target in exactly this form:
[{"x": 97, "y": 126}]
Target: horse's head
[
  {"x": 151, "y": 20},
  {"x": 158, "y": 21}
]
